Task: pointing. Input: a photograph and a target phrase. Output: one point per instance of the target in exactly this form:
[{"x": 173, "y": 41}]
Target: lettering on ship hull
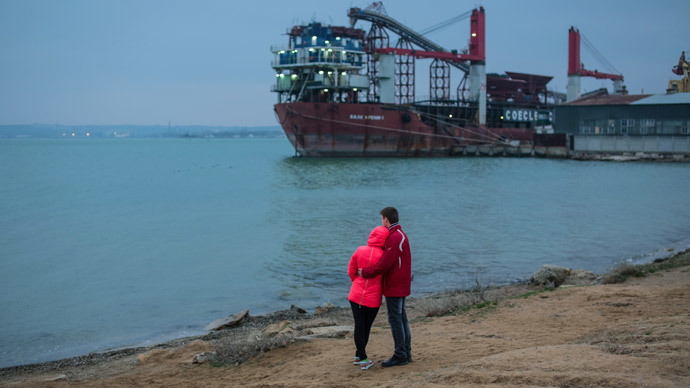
[{"x": 366, "y": 117}]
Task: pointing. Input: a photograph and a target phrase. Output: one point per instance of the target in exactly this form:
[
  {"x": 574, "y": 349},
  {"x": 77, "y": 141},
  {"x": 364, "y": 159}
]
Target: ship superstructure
[{"x": 321, "y": 64}]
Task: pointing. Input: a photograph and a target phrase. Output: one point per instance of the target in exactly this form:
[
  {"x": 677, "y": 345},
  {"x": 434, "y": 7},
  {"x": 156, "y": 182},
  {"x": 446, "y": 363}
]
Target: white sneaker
[
  {"x": 356, "y": 361},
  {"x": 366, "y": 364}
]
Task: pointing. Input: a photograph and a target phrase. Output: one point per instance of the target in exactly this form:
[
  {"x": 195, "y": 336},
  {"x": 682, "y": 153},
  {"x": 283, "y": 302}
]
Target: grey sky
[{"x": 208, "y": 62}]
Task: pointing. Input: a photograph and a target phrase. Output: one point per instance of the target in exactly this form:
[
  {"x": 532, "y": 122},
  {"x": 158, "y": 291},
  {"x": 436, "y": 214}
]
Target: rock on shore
[
  {"x": 228, "y": 322},
  {"x": 279, "y": 328},
  {"x": 550, "y": 276},
  {"x": 325, "y": 308}
]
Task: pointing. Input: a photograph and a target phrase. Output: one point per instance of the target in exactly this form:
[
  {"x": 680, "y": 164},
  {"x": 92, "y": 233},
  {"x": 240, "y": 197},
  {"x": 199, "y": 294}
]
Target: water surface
[{"x": 106, "y": 243}]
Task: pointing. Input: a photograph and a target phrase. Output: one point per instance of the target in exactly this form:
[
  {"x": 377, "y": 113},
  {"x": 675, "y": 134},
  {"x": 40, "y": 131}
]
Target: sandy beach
[{"x": 629, "y": 334}]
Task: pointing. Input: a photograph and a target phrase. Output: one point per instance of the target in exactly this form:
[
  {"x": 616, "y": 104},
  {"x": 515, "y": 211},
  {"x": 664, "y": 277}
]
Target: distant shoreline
[{"x": 57, "y": 131}]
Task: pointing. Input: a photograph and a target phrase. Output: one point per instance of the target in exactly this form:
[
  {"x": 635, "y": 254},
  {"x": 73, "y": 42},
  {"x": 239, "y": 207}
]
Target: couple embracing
[{"x": 382, "y": 267}]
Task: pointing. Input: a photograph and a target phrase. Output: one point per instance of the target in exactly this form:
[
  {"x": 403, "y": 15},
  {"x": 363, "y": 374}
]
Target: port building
[{"x": 624, "y": 123}]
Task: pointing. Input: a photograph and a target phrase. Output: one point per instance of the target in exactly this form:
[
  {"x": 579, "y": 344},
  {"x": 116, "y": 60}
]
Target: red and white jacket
[
  {"x": 395, "y": 264},
  {"x": 367, "y": 292}
]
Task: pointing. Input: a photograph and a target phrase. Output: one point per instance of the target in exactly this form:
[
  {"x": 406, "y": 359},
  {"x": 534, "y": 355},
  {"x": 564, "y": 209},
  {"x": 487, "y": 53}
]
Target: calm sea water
[{"x": 122, "y": 242}]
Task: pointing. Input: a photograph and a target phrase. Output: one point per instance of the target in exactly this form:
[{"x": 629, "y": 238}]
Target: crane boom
[{"x": 403, "y": 31}]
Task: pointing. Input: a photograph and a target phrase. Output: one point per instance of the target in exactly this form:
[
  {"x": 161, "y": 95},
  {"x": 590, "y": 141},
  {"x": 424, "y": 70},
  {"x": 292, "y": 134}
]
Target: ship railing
[
  {"x": 277, "y": 48},
  {"x": 302, "y": 63},
  {"x": 428, "y": 100},
  {"x": 347, "y": 81}
]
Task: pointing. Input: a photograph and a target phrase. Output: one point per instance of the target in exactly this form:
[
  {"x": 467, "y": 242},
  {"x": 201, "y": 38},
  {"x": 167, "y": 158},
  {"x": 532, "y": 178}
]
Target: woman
[{"x": 365, "y": 294}]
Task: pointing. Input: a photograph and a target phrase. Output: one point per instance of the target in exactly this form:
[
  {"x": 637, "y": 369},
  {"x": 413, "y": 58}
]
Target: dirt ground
[{"x": 624, "y": 335}]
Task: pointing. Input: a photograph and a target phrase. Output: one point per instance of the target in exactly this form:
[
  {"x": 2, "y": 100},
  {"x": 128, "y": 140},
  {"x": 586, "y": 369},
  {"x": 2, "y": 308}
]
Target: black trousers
[{"x": 364, "y": 318}]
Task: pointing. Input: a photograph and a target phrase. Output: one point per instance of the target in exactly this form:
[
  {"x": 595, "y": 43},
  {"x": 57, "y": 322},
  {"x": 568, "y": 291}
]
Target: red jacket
[
  {"x": 395, "y": 265},
  {"x": 367, "y": 292}
]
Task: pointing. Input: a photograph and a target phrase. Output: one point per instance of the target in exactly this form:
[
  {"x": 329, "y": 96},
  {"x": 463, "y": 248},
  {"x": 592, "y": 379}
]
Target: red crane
[{"x": 575, "y": 66}]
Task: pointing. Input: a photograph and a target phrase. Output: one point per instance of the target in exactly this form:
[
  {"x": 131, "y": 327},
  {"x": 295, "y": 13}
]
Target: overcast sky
[{"x": 208, "y": 62}]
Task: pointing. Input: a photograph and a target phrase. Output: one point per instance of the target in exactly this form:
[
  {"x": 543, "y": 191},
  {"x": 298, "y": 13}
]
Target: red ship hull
[{"x": 374, "y": 130}]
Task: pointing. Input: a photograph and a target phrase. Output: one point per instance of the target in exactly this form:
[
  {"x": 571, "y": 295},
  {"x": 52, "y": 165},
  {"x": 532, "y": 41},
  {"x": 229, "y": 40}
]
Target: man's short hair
[{"x": 391, "y": 213}]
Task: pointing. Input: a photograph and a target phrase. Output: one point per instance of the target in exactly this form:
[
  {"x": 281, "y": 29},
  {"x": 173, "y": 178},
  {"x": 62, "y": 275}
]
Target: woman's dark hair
[{"x": 391, "y": 214}]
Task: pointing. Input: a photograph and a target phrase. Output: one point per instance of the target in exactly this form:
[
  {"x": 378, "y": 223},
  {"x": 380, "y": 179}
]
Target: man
[{"x": 396, "y": 267}]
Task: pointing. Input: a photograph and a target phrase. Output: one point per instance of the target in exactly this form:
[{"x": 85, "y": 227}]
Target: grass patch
[
  {"x": 482, "y": 305},
  {"x": 624, "y": 271},
  {"x": 444, "y": 305},
  {"x": 452, "y": 303},
  {"x": 489, "y": 304},
  {"x": 680, "y": 260}
]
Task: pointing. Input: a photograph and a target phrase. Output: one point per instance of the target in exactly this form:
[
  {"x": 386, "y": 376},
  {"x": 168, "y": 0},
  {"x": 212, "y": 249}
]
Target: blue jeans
[{"x": 400, "y": 328}]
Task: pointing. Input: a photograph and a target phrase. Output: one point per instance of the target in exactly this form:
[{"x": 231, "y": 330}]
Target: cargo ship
[{"x": 344, "y": 92}]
